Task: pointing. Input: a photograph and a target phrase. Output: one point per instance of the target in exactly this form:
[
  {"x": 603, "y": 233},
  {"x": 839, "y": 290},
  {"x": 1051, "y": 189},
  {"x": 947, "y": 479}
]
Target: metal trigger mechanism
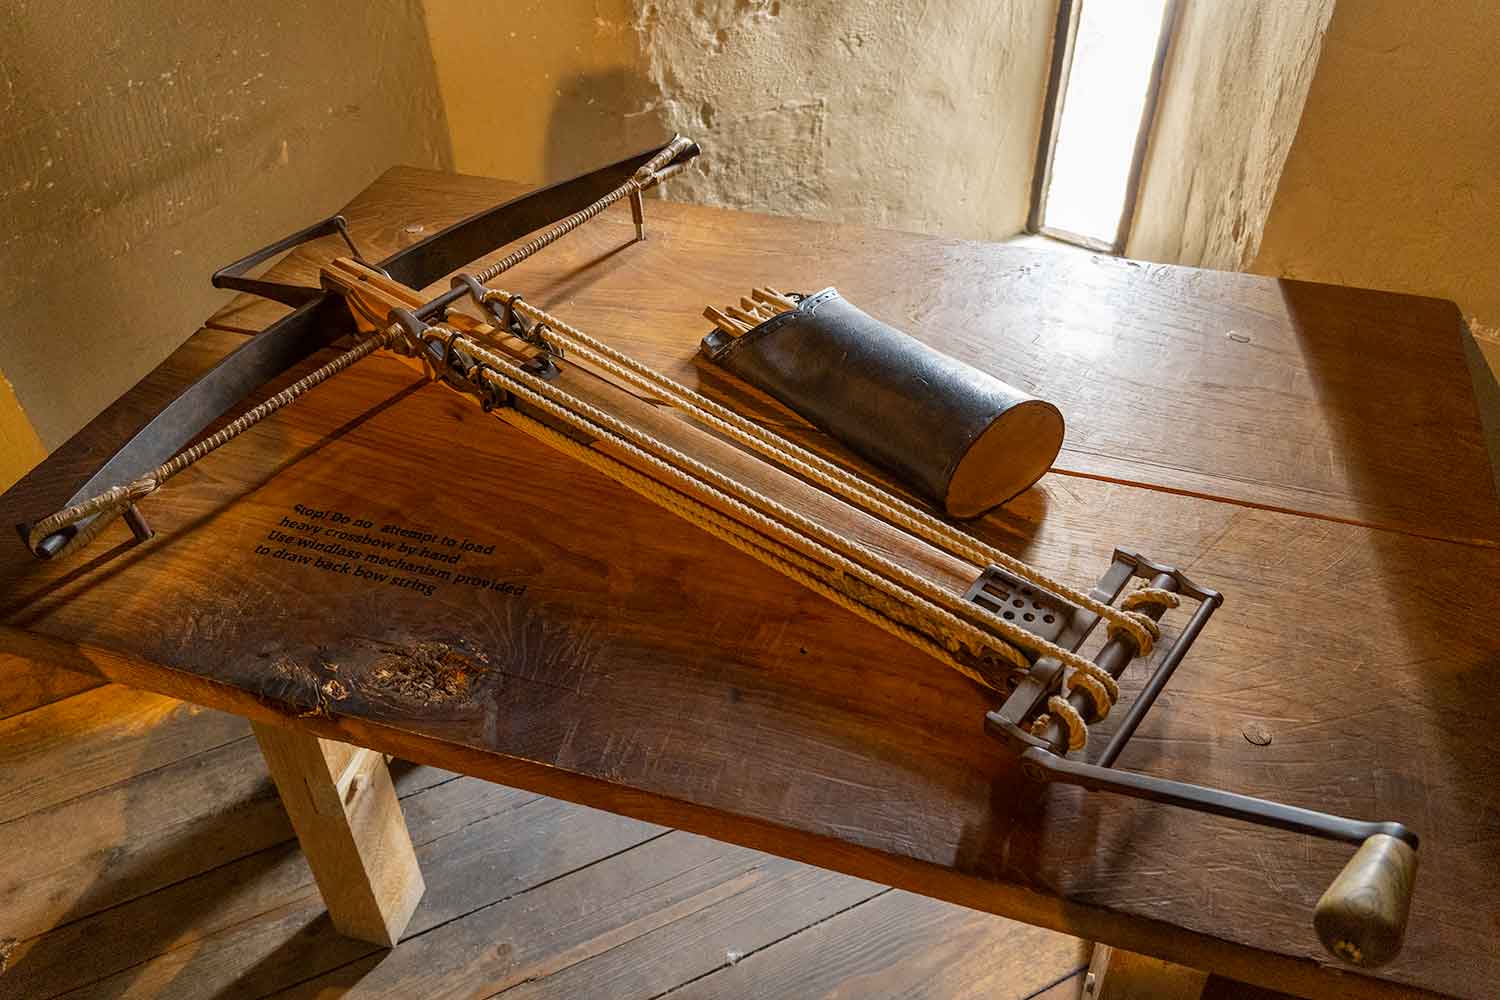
[
  {"x": 232, "y": 276},
  {"x": 501, "y": 310},
  {"x": 441, "y": 347}
]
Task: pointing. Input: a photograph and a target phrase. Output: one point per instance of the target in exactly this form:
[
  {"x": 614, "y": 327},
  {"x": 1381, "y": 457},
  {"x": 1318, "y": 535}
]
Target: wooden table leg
[
  {"x": 1123, "y": 975},
  {"x": 344, "y": 808}
]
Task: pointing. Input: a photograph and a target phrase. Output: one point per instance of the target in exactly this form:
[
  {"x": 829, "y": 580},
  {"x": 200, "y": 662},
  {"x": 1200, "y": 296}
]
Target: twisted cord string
[
  {"x": 793, "y": 529},
  {"x": 778, "y": 556},
  {"x": 825, "y": 473},
  {"x": 1101, "y": 689},
  {"x": 113, "y": 501},
  {"x": 646, "y": 177},
  {"x": 942, "y": 607}
]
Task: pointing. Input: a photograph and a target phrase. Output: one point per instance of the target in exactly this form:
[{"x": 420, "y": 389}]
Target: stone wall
[{"x": 1232, "y": 93}]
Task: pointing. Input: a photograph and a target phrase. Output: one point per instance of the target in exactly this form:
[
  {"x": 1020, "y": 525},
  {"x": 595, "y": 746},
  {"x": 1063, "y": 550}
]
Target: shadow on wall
[
  {"x": 853, "y": 112},
  {"x": 592, "y": 123}
]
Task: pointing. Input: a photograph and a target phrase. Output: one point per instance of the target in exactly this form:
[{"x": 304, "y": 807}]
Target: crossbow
[{"x": 1000, "y": 622}]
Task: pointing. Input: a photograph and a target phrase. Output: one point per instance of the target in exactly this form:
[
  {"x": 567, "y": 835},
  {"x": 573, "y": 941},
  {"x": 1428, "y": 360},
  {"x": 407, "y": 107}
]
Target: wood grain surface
[
  {"x": 622, "y": 659},
  {"x": 1336, "y": 402}
]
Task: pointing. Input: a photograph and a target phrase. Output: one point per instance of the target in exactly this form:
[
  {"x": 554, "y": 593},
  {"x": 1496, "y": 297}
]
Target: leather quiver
[{"x": 956, "y": 436}]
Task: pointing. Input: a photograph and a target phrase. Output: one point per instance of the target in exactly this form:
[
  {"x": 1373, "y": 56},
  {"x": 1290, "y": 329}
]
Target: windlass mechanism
[
  {"x": 1361, "y": 917},
  {"x": 962, "y": 602}
]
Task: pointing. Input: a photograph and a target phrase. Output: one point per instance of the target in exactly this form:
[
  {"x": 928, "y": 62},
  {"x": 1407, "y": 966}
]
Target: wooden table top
[{"x": 1311, "y": 451}]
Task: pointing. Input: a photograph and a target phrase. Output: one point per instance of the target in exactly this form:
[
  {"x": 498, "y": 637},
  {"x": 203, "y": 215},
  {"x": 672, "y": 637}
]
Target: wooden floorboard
[
  {"x": 25, "y": 685},
  {"x": 176, "y": 919},
  {"x": 94, "y": 740},
  {"x": 900, "y": 945},
  {"x": 146, "y": 855},
  {"x": 1070, "y": 987}
]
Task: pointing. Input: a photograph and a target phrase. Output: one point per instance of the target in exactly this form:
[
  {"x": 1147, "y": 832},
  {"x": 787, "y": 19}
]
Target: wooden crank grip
[{"x": 1361, "y": 917}]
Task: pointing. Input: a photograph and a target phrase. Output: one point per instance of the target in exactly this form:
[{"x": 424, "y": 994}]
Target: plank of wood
[
  {"x": 898, "y": 945},
  {"x": 190, "y": 919},
  {"x": 348, "y": 820},
  {"x": 128, "y": 839},
  {"x": 1070, "y": 988},
  {"x": 722, "y": 896},
  {"x": 596, "y": 390},
  {"x": 222, "y": 927},
  {"x": 142, "y": 835},
  {"x": 569, "y": 700},
  {"x": 1257, "y": 390},
  {"x": 1115, "y": 974},
  {"x": 471, "y": 868},
  {"x": 614, "y": 624},
  {"x": 1163, "y": 372},
  {"x": 94, "y": 739}
]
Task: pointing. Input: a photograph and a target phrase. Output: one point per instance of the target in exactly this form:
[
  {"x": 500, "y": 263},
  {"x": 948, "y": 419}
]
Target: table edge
[{"x": 1272, "y": 970}]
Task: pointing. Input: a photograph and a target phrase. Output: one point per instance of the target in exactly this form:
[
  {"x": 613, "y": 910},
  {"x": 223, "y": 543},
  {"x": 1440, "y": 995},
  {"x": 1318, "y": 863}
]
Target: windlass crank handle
[{"x": 1361, "y": 917}]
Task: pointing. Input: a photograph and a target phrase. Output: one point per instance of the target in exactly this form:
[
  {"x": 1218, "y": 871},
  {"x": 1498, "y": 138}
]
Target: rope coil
[{"x": 1095, "y": 682}]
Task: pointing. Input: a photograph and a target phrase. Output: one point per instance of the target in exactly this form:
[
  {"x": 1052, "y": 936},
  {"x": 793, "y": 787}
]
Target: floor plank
[
  {"x": 26, "y": 684},
  {"x": 1068, "y": 988},
  {"x": 901, "y": 945},
  {"x": 157, "y": 862},
  {"x": 185, "y": 914},
  {"x": 121, "y": 842},
  {"x": 531, "y": 842},
  {"x": 560, "y": 926},
  {"x": 84, "y": 743}
]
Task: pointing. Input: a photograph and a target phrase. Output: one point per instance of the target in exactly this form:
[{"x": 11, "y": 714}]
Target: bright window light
[{"x": 1103, "y": 105}]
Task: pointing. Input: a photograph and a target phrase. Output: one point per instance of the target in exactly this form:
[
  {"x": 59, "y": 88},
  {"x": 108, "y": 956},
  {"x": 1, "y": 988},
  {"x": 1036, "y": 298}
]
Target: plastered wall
[
  {"x": 146, "y": 143},
  {"x": 539, "y": 90},
  {"x": 1232, "y": 93},
  {"x": 1394, "y": 178},
  {"x": 920, "y": 116},
  {"x": 20, "y": 448}
]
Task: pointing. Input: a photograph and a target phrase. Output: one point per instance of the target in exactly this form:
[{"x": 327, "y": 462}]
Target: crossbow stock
[{"x": 1000, "y": 622}]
